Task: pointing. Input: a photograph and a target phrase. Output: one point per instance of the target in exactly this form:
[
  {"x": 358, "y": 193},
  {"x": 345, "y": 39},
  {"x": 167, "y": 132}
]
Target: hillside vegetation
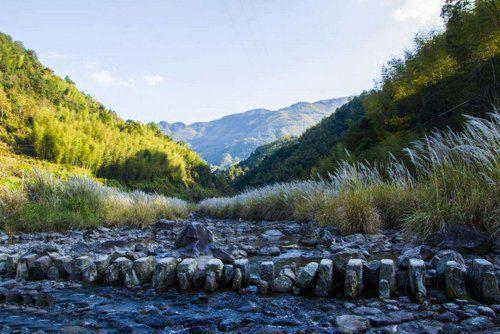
[
  {"x": 452, "y": 178},
  {"x": 234, "y": 137},
  {"x": 46, "y": 117},
  {"x": 446, "y": 75}
]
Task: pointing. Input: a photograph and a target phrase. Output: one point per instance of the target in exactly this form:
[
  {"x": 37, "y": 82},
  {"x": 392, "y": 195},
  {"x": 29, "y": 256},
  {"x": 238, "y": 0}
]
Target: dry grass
[{"x": 455, "y": 181}]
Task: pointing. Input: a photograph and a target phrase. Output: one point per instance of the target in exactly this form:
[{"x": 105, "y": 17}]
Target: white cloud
[
  {"x": 153, "y": 80},
  {"x": 106, "y": 78},
  {"x": 422, "y": 11}
]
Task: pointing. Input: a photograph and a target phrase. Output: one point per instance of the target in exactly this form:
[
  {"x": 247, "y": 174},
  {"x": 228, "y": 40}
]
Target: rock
[
  {"x": 461, "y": 238},
  {"x": 244, "y": 267},
  {"x": 262, "y": 287},
  {"x": 341, "y": 258},
  {"x": 482, "y": 281},
  {"x": 309, "y": 234},
  {"x": 420, "y": 252},
  {"x": 353, "y": 285},
  {"x": 307, "y": 276},
  {"x": 442, "y": 257},
  {"x": 186, "y": 271},
  {"x": 102, "y": 262},
  {"x": 29, "y": 260},
  {"x": 227, "y": 274},
  {"x": 131, "y": 280},
  {"x": 267, "y": 271},
  {"x": 110, "y": 244},
  {"x": 123, "y": 267},
  {"x": 22, "y": 273},
  {"x": 217, "y": 267},
  {"x": 41, "y": 268},
  {"x": 454, "y": 281},
  {"x": 269, "y": 251},
  {"x": 211, "y": 281},
  {"x": 477, "y": 324},
  {"x": 194, "y": 238},
  {"x": 64, "y": 264},
  {"x": 272, "y": 234},
  {"x": 86, "y": 269},
  {"x": 387, "y": 278},
  {"x": 357, "y": 239},
  {"x": 416, "y": 277},
  {"x": 3, "y": 263},
  {"x": 4, "y": 238},
  {"x": 325, "y": 278},
  {"x": 352, "y": 323},
  {"x": 282, "y": 284},
  {"x": 144, "y": 268},
  {"x": 11, "y": 264},
  {"x": 371, "y": 274},
  {"x": 391, "y": 318},
  {"x": 237, "y": 279},
  {"x": 420, "y": 327},
  {"x": 164, "y": 274}
]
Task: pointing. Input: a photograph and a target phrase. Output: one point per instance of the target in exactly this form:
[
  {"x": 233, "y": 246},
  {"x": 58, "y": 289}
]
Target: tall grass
[
  {"x": 48, "y": 203},
  {"x": 453, "y": 178}
]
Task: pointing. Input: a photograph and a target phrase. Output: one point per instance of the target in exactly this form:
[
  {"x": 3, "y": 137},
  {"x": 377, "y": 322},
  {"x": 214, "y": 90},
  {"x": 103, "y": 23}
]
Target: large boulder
[
  {"x": 341, "y": 258},
  {"x": 282, "y": 284},
  {"x": 164, "y": 273},
  {"x": 442, "y": 257},
  {"x": 307, "y": 276},
  {"x": 461, "y": 238},
  {"x": 144, "y": 268},
  {"x": 194, "y": 239},
  {"x": 86, "y": 269}
]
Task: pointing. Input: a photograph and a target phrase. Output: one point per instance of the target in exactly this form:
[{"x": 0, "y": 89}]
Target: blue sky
[{"x": 190, "y": 61}]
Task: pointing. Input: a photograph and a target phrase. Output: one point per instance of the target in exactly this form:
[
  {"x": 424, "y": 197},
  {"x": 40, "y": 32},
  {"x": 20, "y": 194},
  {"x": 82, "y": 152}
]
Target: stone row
[{"x": 353, "y": 275}]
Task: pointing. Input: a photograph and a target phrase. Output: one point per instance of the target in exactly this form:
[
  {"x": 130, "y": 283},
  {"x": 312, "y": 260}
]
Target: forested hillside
[
  {"x": 44, "y": 116},
  {"x": 446, "y": 75},
  {"x": 234, "y": 137}
]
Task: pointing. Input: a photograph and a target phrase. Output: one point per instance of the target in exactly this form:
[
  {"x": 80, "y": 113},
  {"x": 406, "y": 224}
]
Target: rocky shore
[{"x": 210, "y": 275}]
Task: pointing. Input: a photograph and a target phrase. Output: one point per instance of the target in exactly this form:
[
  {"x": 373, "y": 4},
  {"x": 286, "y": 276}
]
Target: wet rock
[
  {"x": 476, "y": 324},
  {"x": 341, "y": 258},
  {"x": 237, "y": 279},
  {"x": 3, "y": 262},
  {"x": 101, "y": 262},
  {"x": 217, "y": 267},
  {"x": 63, "y": 263},
  {"x": 371, "y": 273},
  {"x": 11, "y": 264},
  {"x": 269, "y": 251},
  {"x": 390, "y": 318},
  {"x": 352, "y": 323},
  {"x": 416, "y": 277},
  {"x": 357, "y": 239},
  {"x": 22, "y": 273},
  {"x": 353, "y": 285},
  {"x": 44, "y": 268},
  {"x": 115, "y": 273},
  {"x": 461, "y": 238},
  {"x": 194, "y": 238},
  {"x": 185, "y": 272},
  {"x": 244, "y": 267},
  {"x": 4, "y": 238},
  {"x": 144, "y": 268},
  {"x": 454, "y": 281},
  {"x": 309, "y": 234},
  {"x": 211, "y": 281},
  {"x": 267, "y": 271},
  {"x": 282, "y": 284},
  {"x": 441, "y": 258},
  {"x": 131, "y": 280},
  {"x": 227, "y": 274},
  {"x": 387, "y": 278},
  {"x": 86, "y": 269},
  {"x": 111, "y": 244},
  {"x": 420, "y": 327},
  {"x": 262, "y": 287},
  {"x": 420, "y": 252},
  {"x": 272, "y": 234},
  {"x": 482, "y": 281},
  {"x": 325, "y": 278},
  {"x": 164, "y": 274},
  {"x": 307, "y": 276}
]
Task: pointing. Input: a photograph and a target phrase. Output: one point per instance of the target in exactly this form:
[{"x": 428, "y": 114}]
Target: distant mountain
[{"x": 235, "y": 137}]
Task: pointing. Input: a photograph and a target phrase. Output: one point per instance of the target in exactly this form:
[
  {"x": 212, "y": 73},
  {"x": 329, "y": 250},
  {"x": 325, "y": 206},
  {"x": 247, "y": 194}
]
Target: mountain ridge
[{"x": 234, "y": 137}]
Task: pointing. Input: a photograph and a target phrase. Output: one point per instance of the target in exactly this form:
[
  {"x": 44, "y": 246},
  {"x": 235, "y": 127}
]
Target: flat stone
[{"x": 352, "y": 323}]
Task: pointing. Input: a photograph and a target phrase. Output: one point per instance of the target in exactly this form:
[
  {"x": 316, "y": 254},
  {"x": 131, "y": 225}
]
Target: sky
[{"x": 187, "y": 60}]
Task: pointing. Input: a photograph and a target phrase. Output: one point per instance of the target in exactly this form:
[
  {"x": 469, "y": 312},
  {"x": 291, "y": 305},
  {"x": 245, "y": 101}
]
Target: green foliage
[
  {"x": 45, "y": 202},
  {"x": 446, "y": 75},
  {"x": 47, "y": 117}
]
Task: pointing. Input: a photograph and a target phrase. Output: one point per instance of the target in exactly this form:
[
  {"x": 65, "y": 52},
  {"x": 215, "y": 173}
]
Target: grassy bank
[
  {"x": 453, "y": 177},
  {"x": 44, "y": 202}
]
